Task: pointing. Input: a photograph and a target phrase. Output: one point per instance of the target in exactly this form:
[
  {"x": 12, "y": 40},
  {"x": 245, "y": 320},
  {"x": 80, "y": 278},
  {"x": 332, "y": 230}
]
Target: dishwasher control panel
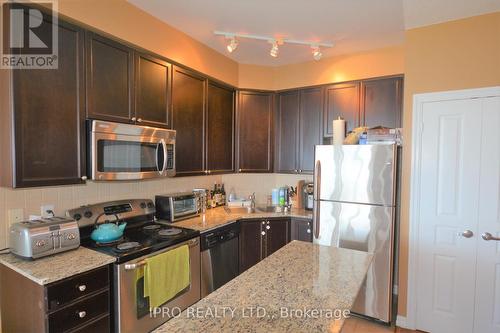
[{"x": 219, "y": 235}]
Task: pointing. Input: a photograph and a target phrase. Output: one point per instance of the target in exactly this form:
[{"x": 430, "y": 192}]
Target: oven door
[
  {"x": 128, "y": 152},
  {"x": 132, "y": 313}
]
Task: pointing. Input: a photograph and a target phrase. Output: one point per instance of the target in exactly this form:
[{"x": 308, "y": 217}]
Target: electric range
[{"x": 144, "y": 237}]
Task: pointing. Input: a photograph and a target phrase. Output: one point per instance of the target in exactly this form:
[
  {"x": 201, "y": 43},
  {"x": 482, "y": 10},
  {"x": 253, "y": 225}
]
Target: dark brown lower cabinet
[
  {"x": 261, "y": 238},
  {"x": 80, "y": 303},
  {"x": 301, "y": 230}
]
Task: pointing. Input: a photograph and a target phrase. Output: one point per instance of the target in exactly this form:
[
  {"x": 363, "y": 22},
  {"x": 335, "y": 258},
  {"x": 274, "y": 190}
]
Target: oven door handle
[{"x": 142, "y": 263}]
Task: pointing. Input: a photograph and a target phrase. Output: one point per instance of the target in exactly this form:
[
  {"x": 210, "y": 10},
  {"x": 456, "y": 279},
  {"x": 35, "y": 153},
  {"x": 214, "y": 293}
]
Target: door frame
[{"x": 415, "y": 180}]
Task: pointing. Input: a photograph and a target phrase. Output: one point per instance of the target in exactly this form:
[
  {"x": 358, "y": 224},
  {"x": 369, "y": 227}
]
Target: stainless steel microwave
[{"x": 126, "y": 152}]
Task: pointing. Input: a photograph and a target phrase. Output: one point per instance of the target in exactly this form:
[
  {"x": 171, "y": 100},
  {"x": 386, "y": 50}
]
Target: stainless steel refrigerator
[{"x": 355, "y": 208}]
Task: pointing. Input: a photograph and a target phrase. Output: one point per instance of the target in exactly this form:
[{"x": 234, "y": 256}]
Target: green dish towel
[{"x": 166, "y": 274}]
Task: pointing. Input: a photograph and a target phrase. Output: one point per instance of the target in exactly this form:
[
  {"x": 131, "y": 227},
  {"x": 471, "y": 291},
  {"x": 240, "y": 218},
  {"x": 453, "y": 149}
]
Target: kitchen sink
[
  {"x": 239, "y": 210},
  {"x": 266, "y": 209}
]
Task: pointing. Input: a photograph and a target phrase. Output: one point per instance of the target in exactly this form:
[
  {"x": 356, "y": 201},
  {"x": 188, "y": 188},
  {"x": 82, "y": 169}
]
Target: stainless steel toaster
[{"x": 39, "y": 238}]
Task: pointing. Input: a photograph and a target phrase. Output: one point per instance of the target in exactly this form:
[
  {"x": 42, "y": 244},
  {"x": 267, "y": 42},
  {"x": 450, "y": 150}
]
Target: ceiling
[{"x": 353, "y": 25}]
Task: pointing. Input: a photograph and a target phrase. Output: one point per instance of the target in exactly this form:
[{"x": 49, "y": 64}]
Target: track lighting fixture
[
  {"x": 316, "y": 52},
  {"x": 233, "y": 43},
  {"x": 274, "y": 50}
]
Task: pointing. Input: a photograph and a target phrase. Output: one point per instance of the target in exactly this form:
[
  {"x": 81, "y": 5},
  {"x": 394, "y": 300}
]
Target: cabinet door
[
  {"x": 49, "y": 117},
  {"x": 310, "y": 122},
  {"x": 109, "y": 79},
  {"x": 381, "y": 102},
  {"x": 278, "y": 235},
  {"x": 220, "y": 129},
  {"x": 342, "y": 100},
  {"x": 287, "y": 132},
  {"x": 301, "y": 230},
  {"x": 255, "y": 123},
  {"x": 251, "y": 244},
  {"x": 152, "y": 90},
  {"x": 188, "y": 119}
]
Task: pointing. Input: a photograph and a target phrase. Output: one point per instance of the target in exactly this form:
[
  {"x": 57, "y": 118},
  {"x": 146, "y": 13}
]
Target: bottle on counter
[{"x": 223, "y": 194}]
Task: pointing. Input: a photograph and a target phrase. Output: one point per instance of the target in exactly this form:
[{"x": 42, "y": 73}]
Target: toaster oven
[{"x": 176, "y": 206}]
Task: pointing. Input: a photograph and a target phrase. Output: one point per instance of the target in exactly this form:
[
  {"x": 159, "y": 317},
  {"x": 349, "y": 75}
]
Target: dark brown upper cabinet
[
  {"x": 342, "y": 100},
  {"x": 381, "y": 102},
  {"x": 255, "y": 131},
  {"x": 152, "y": 90},
  {"x": 46, "y": 120},
  {"x": 287, "y": 132},
  {"x": 110, "y": 79},
  {"x": 310, "y": 127},
  {"x": 299, "y": 120},
  {"x": 220, "y": 129},
  {"x": 188, "y": 119}
]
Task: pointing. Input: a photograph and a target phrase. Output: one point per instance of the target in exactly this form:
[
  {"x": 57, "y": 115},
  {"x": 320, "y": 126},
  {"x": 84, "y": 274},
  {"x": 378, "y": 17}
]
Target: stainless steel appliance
[
  {"x": 177, "y": 206},
  {"x": 125, "y": 152},
  {"x": 219, "y": 257},
  {"x": 43, "y": 237},
  {"x": 355, "y": 208},
  {"x": 144, "y": 237}
]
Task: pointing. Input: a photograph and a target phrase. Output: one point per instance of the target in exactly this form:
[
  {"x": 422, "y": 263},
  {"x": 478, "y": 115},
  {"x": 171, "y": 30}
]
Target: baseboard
[{"x": 401, "y": 322}]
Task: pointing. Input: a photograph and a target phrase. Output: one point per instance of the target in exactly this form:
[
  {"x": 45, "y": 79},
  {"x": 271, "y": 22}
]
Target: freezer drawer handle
[
  {"x": 316, "y": 205},
  {"x": 487, "y": 237}
]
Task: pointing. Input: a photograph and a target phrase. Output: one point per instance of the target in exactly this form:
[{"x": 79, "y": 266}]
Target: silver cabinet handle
[
  {"x": 83, "y": 177},
  {"x": 82, "y": 287},
  {"x": 133, "y": 118},
  {"x": 82, "y": 314},
  {"x": 268, "y": 227},
  {"x": 263, "y": 233},
  {"x": 466, "y": 234},
  {"x": 487, "y": 237},
  {"x": 267, "y": 222},
  {"x": 263, "y": 222},
  {"x": 139, "y": 120},
  {"x": 308, "y": 231}
]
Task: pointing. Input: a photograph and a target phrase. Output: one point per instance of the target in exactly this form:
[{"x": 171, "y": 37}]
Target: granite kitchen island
[{"x": 302, "y": 287}]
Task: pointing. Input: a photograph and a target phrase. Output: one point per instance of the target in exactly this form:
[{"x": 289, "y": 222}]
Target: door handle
[
  {"x": 316, "y": 203},
  {"x": 487, "y": 237},
  {"x": 466, "y": 234}
]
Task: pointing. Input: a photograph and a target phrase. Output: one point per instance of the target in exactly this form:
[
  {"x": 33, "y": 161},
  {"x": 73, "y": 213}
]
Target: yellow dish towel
[{"x": 166, "y": 274}]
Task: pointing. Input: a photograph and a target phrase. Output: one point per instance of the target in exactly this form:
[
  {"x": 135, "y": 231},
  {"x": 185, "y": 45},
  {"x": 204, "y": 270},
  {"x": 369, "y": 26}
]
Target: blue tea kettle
[{"x": 107, "y": 232}]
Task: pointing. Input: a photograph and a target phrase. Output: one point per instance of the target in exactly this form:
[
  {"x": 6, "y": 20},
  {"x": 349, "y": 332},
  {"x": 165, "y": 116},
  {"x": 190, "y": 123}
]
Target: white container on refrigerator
[{"x": 354, "y": 208}]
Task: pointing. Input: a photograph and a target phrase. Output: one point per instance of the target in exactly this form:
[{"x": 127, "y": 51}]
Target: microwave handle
[{"x": 164, "y": 166}]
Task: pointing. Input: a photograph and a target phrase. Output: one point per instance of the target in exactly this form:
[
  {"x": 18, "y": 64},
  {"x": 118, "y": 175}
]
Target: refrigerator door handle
[{"x": 317, "y": 194}]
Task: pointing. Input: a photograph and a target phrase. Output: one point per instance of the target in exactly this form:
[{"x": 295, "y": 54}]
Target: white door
[
  {"x": 448, "y": 232},
  {"x": 487, "y": 315}
]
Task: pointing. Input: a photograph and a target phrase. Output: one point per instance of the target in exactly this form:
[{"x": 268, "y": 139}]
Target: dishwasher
[{"x": 219, "y": 257}]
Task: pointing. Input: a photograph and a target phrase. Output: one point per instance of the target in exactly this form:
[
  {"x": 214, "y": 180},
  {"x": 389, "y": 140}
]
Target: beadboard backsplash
[{"x": 66, "y": 197}]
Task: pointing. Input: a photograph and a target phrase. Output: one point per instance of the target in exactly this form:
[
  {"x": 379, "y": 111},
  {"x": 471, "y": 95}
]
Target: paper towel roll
[{"x": 338, "y": 131}]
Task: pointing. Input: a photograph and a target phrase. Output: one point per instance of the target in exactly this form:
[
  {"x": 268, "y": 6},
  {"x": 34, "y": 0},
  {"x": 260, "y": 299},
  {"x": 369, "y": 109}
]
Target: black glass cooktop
[{"x": 143, "y": 238}]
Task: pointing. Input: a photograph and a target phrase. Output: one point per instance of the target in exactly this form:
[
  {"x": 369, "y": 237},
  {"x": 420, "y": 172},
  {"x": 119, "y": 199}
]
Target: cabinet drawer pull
[
  {"x": 82, "y": 314},
  {"x": 308, "y": 231},
  {"x": 263, "y": 233},
  {"x": 263, "y": 222},
  {"x": 268, "y": 227},
  {"x": 488, "y": 236},
  {"x": 139, "y": 120},
  {"x": 133, "y": 118},
  {"x": 83, "y": 178},
  {"x": 82, "y": 287}
]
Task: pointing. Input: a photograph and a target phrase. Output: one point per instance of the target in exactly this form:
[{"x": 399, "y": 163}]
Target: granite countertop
[
  {"x": 302, "y": 287},
  {"x": 217, "y": 217},
  {"x": 57, "y": 267}
]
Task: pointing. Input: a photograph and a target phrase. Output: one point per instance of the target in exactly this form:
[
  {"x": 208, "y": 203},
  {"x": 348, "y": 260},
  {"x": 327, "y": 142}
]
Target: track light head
[
  {"x": 316, "y": 52},
  {"x": 274, "y": 50},
  {"x": 233, "y": 44}
]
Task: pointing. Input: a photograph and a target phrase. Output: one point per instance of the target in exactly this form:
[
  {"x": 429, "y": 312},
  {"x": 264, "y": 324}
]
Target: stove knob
[
  {"x": 77, "y": 217},
  {"x": 150, "y": 205},
  {"x": 71, "y": 236},
  {"x": 143, "y": 205},
  {"x": 87, "y": 214}
]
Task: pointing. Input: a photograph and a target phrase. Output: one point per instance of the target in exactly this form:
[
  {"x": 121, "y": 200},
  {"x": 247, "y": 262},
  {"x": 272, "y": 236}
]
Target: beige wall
[
  {"x": 454, "y": 55},
  {"x": 379, "y": 62},
  {"x": 127, "y": 22}
]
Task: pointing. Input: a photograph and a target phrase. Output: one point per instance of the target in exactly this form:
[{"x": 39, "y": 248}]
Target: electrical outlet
[
  {"x": 45, "y": 208},
  {"x": 15, "y": 215}
]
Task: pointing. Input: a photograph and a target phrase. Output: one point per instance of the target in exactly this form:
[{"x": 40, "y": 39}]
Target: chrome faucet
[{"x": 251, "y": 197}]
